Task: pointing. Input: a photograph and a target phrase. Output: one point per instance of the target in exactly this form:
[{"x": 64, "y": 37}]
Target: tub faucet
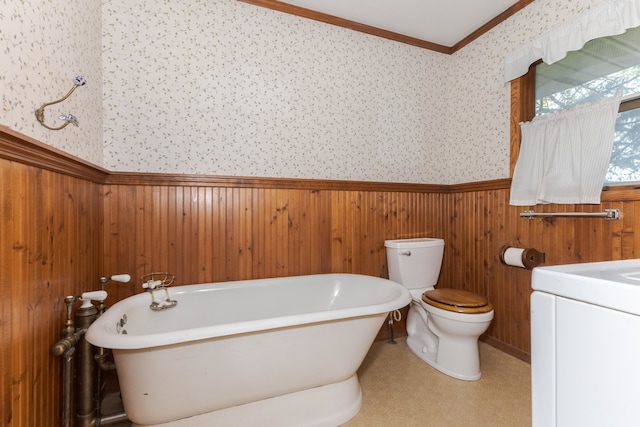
[
  {"x": 122, "y": 278},
  {"x": 157, "y": 285}
]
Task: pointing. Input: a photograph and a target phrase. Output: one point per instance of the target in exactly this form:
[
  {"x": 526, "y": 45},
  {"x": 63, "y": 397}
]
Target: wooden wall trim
[
  {"x": 23, "y": 149},
  {"x": 139, "y": 178},
  {"x": 17, "y": 147},
  {"x": 492, "y": 23},
  {"x": 345, "y": 23},
  {"x": 374, "y": 31},
  {"x": 496, "y": 184},
  {"x": 184, "y": 180},
  {"x": 522, "y": 110}
]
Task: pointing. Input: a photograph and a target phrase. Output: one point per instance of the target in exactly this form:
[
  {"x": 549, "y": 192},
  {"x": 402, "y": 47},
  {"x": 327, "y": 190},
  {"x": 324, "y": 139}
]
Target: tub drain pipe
[
  {"x": 106, "y": 420},
  {"x": 73, "y": 345},
  {"x": 65, "y": 347},
  {"x": 89, "y": 394},
  {"x": 86, "y": 413},
  {"x": 393, "y": 315}
]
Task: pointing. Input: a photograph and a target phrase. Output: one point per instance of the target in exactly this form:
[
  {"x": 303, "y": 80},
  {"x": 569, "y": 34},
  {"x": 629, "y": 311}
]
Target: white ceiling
[{"x": 443, "y": 22}]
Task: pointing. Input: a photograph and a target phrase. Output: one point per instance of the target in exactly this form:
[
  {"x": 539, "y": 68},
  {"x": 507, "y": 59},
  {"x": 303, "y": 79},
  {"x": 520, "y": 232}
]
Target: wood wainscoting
[
  {"x": 66, "y": 223},
  {"x": 479, "y": 222},
  {"x": 206, "y": 233},
  {"x": 205, "y": 230},
  {"x": 50, "y": 247}
]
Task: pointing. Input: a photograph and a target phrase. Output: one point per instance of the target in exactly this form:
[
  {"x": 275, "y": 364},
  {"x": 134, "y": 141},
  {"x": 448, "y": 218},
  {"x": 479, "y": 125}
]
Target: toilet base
[
  {"x": 453, "y": 355},
  {"x": 430, "y": 357}
]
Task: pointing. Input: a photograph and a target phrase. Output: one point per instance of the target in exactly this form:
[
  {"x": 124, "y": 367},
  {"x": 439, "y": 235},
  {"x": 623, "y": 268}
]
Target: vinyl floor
[{"x": 399, "y": 389}]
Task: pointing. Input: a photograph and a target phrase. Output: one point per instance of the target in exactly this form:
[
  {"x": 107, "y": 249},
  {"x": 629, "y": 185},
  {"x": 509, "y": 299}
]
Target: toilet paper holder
[{"x": 529, "y": 257}]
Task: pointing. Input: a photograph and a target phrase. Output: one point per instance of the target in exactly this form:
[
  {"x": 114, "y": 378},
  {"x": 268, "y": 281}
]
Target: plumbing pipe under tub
[
  {"x": 86, "y": 370},
  {"x": 65, "y": 347},
  {"x": 73, "y": 344},
  {"x": 106, "y": 420}
]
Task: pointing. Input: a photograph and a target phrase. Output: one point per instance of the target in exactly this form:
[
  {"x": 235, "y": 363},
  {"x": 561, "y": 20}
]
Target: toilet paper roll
[
  {"x": 513, "y": 257},
  {"x": 521, "y": 257}
]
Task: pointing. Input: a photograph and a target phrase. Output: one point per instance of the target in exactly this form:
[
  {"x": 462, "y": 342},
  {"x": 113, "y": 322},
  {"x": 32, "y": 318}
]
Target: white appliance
[{"x": 585, "y": 344}]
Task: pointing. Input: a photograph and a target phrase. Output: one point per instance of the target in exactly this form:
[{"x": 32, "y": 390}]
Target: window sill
[{"x": 620, "y": 193}]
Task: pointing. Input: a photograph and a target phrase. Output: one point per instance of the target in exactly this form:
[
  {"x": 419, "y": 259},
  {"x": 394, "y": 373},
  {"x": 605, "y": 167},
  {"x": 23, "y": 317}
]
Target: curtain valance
[{"x": 611, "y": 19}]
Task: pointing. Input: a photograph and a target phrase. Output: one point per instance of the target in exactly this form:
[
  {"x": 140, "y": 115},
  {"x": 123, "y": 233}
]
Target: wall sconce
[{"x": 68, "y": 118}]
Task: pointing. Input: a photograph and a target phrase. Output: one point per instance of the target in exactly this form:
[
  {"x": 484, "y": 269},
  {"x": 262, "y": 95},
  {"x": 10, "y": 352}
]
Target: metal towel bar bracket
[{"x": 608, "y": 214}]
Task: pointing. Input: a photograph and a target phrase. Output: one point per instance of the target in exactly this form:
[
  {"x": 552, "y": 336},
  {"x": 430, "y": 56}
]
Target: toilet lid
[{"x": 457, "y": 300}]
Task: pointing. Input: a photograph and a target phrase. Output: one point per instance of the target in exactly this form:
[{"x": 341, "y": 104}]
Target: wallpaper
[
  {"x": 222, "y": 87},
  {"x": 44, "y": 46},
  {"x": 479, "y": 104},
  {"x": 226, "y": 88}
]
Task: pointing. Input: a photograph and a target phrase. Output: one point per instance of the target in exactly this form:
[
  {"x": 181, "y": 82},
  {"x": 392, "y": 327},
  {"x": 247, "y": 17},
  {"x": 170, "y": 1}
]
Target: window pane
[
  {"x": 625, "y": 159},
  {"x": 603, "y": 67},
  {"x": 625, "y": 82}
]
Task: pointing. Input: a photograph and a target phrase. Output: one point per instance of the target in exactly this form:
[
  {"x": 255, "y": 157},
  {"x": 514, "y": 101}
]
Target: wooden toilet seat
[{"x": 457, "y": 300}]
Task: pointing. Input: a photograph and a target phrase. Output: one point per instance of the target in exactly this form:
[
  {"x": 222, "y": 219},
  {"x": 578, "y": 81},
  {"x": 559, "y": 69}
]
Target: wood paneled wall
[
  {"x": 64, "y": 224},
  {"x": 50, "y": 244},
  {"x": 211, "y": 234},
  {"x": 478, "y": 223},
  {"x": 208, "y": 233}
]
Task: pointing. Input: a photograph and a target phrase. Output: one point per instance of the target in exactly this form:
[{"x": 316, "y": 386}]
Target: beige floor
[{"x": 399, "y": 390}]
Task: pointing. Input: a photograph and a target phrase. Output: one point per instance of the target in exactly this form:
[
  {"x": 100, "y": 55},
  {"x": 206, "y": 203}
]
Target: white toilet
[{"x": 443, "y": 325}]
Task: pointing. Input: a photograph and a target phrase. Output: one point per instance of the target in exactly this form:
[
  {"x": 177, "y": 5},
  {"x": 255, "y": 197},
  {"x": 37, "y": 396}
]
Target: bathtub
[{"x": 269, "y": 352}]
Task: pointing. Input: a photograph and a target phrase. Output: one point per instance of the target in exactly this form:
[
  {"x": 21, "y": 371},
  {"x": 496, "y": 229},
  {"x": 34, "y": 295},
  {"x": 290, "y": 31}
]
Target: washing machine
[{"x": 585, "y": 344}]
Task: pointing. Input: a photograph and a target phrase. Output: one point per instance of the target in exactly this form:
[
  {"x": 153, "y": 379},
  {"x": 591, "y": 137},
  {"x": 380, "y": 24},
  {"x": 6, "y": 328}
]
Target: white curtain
[
  {"x": 611, "y": 19},
  {"x": 564, "y": 156}
]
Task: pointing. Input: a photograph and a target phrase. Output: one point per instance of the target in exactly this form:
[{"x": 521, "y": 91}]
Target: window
[{"x": 603, "y": 67}]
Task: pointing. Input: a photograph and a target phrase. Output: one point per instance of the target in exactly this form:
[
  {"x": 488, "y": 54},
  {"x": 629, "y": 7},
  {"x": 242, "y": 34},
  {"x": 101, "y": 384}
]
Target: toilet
[{"x": 443, "y": 325}]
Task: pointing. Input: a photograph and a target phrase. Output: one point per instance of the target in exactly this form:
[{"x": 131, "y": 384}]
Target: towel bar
[{"x": 608, "y": 214}]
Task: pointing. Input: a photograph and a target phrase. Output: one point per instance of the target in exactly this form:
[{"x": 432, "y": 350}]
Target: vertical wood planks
[
  {"x": 59, "y": 234},
  {"x": 50, "y": 238}
]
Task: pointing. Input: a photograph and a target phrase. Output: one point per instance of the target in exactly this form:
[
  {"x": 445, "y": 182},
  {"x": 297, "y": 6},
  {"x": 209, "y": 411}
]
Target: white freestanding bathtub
[{"x": 270, "y": 352}]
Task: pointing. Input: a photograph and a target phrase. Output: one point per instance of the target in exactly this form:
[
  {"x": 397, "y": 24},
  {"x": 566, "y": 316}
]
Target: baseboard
[{"x": 519, "y": 354}]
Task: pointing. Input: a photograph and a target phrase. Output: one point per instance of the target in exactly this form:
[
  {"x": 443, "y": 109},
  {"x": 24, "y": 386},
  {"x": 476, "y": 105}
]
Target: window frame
[{"x": 523, "y": 110}]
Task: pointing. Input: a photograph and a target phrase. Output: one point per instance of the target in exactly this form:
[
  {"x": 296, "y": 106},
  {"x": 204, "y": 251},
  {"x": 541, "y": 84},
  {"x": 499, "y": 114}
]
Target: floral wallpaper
[
  {"x": 478, "y": 111},
  {"x": 225, "y": 88},
  {"x": 222, "y": 87},
  {"x": 44, "y": 46}
]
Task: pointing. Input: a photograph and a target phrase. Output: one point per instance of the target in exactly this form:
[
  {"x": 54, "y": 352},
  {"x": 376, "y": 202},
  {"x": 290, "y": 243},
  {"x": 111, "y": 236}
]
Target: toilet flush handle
[{"x": 405, "y": 253}]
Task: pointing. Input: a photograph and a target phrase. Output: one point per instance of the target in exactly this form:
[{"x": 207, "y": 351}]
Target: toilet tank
[{"x": 415, "y": 263}]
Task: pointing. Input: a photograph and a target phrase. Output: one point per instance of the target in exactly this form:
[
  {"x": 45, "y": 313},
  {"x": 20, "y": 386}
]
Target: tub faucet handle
[
  {"x": 152, "y": 284},
  {"x": 87, "y": 297},
  {"x": 156, "y": 280},
  {"x": 156, "y": 283}
]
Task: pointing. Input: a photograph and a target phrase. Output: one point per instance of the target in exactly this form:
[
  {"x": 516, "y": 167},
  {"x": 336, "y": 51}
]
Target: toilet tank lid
[{"x": 422, "y": 242}]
